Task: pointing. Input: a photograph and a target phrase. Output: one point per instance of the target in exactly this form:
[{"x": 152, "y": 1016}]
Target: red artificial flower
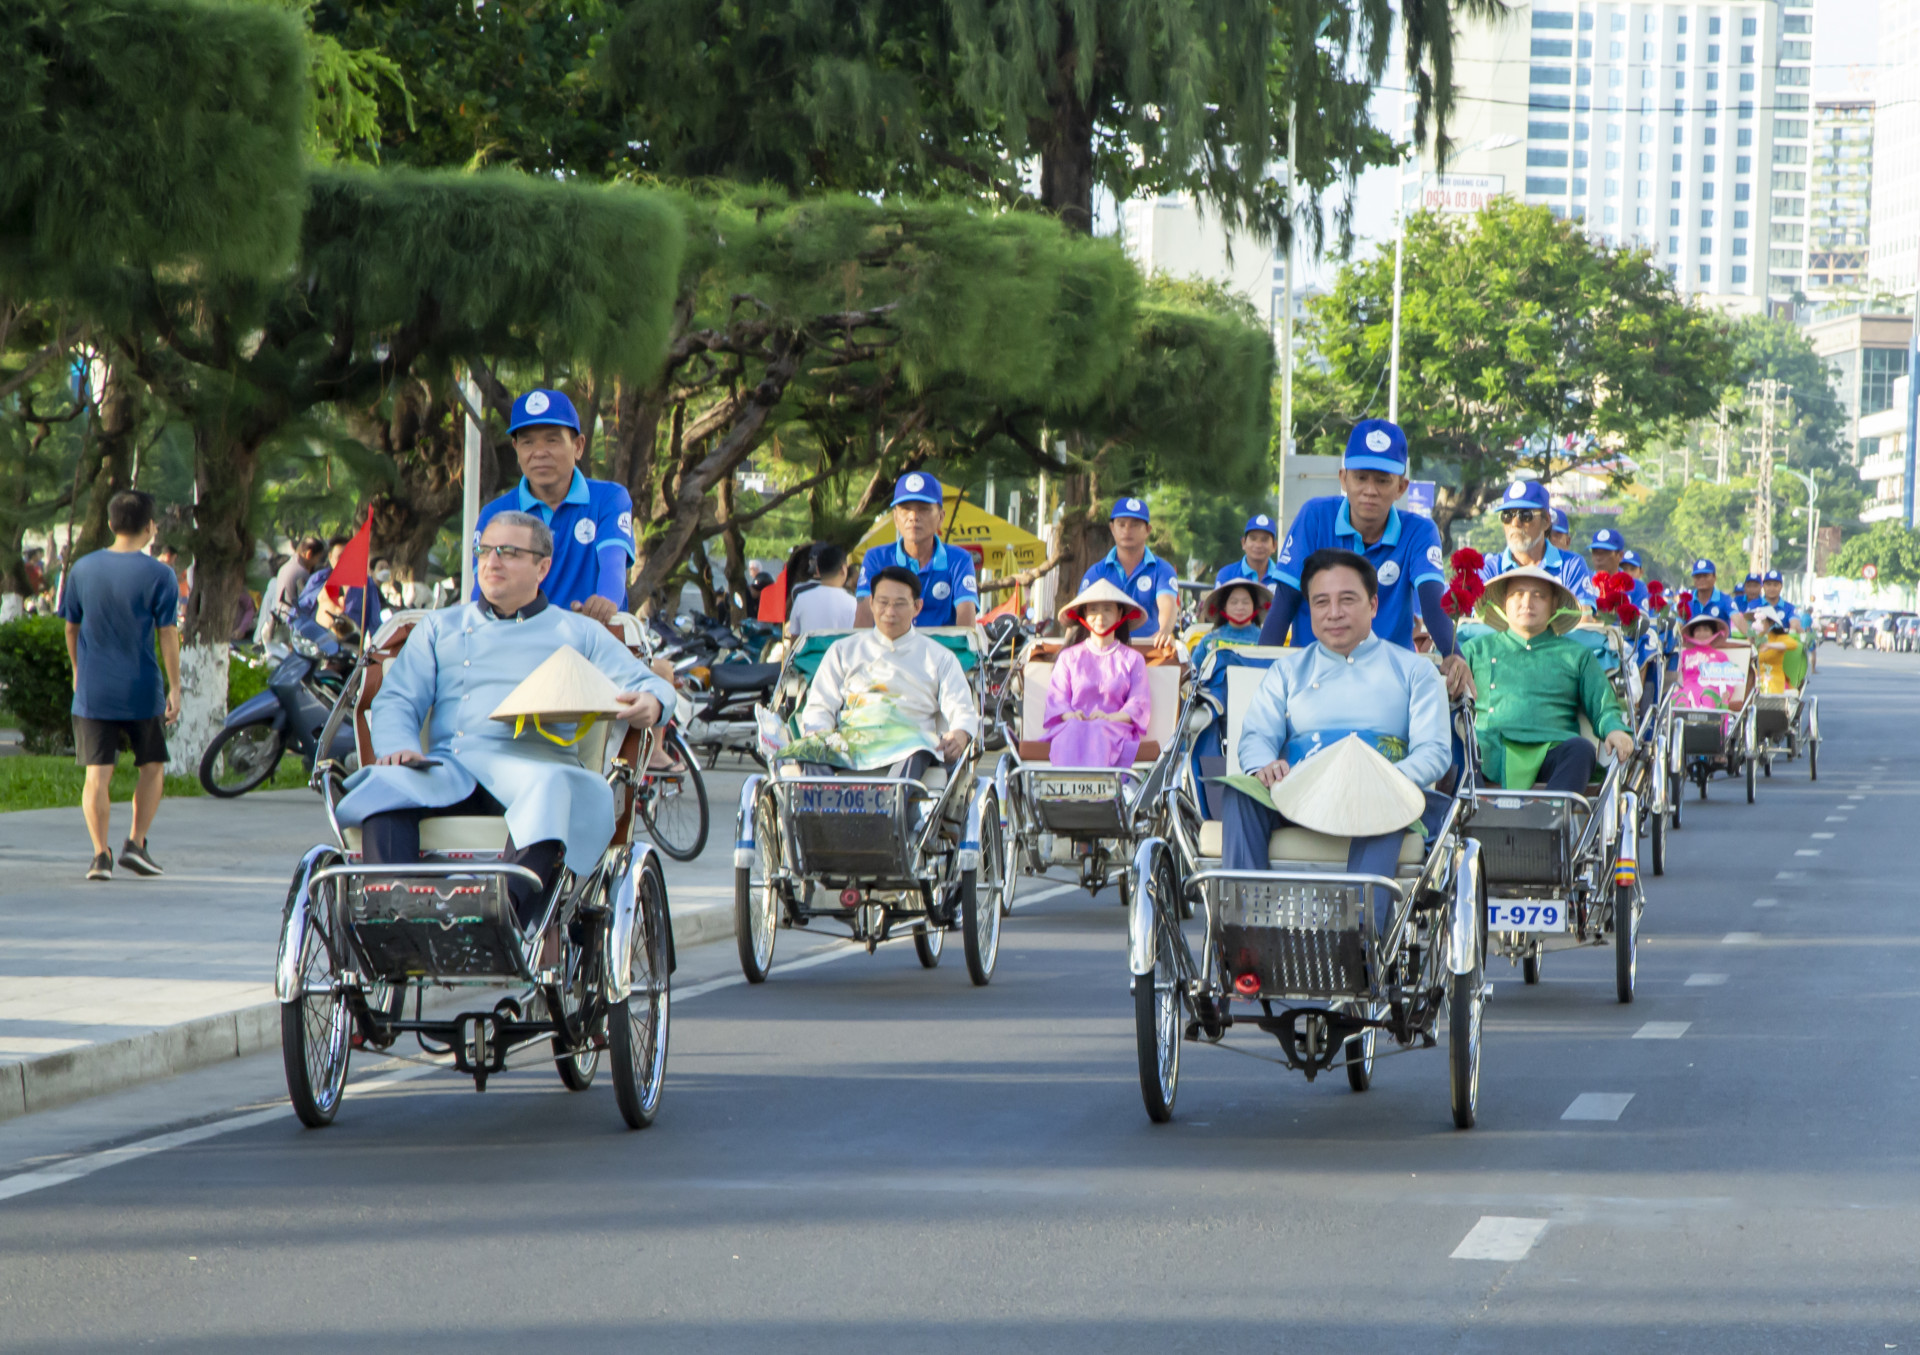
[
  {"x": 1627, "y": 612},
  {"x": 1467, "y": 558},
  {"x": 1686, "y": 606},
  {"x": 1657, "y": 595}
]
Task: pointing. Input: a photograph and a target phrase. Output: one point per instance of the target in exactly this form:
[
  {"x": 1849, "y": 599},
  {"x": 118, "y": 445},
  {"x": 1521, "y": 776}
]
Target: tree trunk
[
  {"x": 425, "y": 435},
  {"x": 739, "y": 585},
  {"x": 111, "y": 461}
]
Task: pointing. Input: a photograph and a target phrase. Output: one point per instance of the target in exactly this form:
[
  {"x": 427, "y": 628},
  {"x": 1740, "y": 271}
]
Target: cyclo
[
  {"x": 880, "y": 856},
  {"x": 1711, "y": 720},
  {"x": 1786, "y": 721},
  {"x": 358, "y": 940},
  {"x": 1299, "y": 942},
  {"x": 1562, "y": 867}
]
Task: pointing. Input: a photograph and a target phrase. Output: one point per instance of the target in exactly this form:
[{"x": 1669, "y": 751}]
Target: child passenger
[
  {"x": 1236, "y": 609},
  {"x": 1098, "y": 703}
]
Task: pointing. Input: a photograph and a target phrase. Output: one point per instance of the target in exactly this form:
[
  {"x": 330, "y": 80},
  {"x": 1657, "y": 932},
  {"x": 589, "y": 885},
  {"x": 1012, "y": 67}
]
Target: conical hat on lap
[
  {"x": 1349, "y": 790},
  {"x": 1131, "y": 612},
  {"x": 566, "y": 687}
]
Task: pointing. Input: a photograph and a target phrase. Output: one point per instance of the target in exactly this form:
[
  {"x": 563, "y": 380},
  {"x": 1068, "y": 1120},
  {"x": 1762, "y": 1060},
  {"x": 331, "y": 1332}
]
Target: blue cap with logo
[
  {"x": 1560, "y": 523},
  {"x": 1525, "y": 494},
  {"x": 1376, "y": 444},
  {"x": 917, "y": 487},
  {"x": 1752, "y": 578},
  {"x": 1129, "y": 508},
  {"x": 538, "y": 408},
  {"x": 1703, "y": 566},
  {"x": 1773, "y": 576},
  {"x": 1259, "y": 522},
  {"x": 1607, "y": 539},
  {"x": 1630, "y": 559}
]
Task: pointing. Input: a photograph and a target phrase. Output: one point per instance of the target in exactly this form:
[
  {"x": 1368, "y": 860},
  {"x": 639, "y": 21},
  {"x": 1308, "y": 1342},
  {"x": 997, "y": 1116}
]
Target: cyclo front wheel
[
  {"x": 673, "y": 799},
  {"x": 637, "y": 1029},
  {"x": 1626, "y": 938}
]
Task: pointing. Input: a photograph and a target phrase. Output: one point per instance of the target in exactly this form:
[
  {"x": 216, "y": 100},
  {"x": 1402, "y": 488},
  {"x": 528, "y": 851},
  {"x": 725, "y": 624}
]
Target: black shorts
[{"x": 96, "y": 743}]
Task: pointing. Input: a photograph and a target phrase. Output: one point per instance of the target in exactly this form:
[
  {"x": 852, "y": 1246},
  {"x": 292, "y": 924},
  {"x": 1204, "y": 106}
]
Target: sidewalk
[{"x": 106, "y": 984}]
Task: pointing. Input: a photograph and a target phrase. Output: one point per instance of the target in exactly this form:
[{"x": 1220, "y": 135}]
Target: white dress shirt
[{"x": 919, "y": 675}]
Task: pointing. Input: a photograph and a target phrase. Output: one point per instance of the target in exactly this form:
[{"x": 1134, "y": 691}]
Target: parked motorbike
[{"x": 289, "y": 714}]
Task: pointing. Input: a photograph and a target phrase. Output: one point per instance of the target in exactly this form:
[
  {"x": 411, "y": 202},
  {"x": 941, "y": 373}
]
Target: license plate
[
  {"x": 845, "y": 800},
  {"x": 1073, "y": 788},
  {"x": 1527, "y": 917}
]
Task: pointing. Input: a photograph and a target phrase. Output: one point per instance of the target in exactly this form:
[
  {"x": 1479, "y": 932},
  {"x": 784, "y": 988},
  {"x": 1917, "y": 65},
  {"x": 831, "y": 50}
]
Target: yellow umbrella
[{"x": 1006, "y": 548}]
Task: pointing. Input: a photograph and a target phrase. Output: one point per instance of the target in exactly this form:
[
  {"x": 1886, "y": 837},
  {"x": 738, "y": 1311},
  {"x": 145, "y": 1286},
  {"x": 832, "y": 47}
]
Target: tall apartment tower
[
  {"x": 1893, "y": 257},
  {"x": 1841, "y": 185},
  {"x": 1680, "y": 127}
]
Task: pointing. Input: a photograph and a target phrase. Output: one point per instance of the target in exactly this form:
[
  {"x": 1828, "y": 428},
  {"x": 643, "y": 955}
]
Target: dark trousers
[
  {"x": 393, "y": 839},
  {"x": 1568, "y": 767}
]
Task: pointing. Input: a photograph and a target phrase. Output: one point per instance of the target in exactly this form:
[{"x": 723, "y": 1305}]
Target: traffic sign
[{"x": 1870, "y": 572}]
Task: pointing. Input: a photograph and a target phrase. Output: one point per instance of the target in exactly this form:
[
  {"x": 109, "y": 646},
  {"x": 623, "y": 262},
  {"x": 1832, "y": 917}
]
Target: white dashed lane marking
[
  {"x": 1766, "y": 903},
  {"x": 1499, "y": 1239},
  {"x": 1662, "y": 1030},
  {"x": 1597, "y": 1106},
  {"x": 1704, "y": 981}
]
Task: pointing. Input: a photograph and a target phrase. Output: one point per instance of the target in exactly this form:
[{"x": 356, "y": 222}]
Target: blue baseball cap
[
  {"x": 1773, "y": 576},
  {"x": 1752, "y": 578},
  {"x": 543, "y": 408},
  {"x": 1129, "y": 508},
  {"x": 1260, "y": 522},
  {"x": 1560, "y": 523},
  {"x": 1376, "y": 444},
  {"x": 1630, "y": 558},
  {"x": 1525, "y": 494},
  {"x": 917, "y": 487},
  {"x": 1607, "y": 539},
  {"x": 1704, "y": 566}
]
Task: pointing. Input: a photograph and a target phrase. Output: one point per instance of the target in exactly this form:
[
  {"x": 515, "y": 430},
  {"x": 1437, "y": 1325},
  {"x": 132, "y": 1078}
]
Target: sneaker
[
  {"x": 102, "y": 867},
  {"x": 134, "y": 857}
]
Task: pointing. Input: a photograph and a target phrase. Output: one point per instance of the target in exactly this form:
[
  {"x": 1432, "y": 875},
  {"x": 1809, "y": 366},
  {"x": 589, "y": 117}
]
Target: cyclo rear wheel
[
  {"x": 756, "y": 898},
  {"x": 577, "y": 980},
  {"x": 1464, "y": 1007},
  {"x": 980, "y": 916},
  {"x": 637, "y": 1029},
  {"x": 1156, "y": 1002}
]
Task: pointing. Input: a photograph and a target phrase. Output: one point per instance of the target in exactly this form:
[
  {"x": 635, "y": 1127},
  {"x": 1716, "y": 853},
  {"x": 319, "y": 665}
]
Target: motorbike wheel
[
  {"x": 240, "y": 758},
  {"x": 637, "y": 1029},
  {"x": 673, "y": 801}
]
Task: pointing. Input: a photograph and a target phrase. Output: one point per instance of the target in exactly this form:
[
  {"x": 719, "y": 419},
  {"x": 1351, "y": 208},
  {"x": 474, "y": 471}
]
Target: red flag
[
  {"x": 351, "y": 572},
  {"x": 773, "y": 601}
]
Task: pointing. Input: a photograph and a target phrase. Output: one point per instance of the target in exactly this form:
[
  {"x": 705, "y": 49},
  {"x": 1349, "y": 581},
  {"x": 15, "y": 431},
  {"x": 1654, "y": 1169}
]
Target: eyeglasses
[
  {"x": 1520, "y": 515},
  {"x": 512, "y": 553}
]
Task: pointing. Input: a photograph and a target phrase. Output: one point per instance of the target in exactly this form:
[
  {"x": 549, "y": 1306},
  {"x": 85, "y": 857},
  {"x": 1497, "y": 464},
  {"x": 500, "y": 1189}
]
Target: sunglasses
[
  {"x": 512, "y": 553},
  {"x": 1520, "y": 515}
]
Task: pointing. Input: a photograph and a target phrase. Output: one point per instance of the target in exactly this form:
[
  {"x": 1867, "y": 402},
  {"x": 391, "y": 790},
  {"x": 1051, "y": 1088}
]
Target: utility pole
[
  {"x": 1813, "y": 529},
  {"x": 1720, "y": 471},
  {"x": 1286, "y": 328},
  {"x": 1772, "y": 395}
]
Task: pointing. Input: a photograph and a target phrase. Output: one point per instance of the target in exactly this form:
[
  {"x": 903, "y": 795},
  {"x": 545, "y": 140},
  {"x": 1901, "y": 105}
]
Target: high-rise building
[
  {"x": 1178, "y": 236},
  {"x": 1842, "y": 194},
  {"x": 1678, "y": 126},
  {"x": 1893, "y": 250}
]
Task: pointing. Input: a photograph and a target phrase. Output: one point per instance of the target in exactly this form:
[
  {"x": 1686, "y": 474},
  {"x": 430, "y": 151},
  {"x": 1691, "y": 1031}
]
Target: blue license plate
[{"x": 845, "y": 800}]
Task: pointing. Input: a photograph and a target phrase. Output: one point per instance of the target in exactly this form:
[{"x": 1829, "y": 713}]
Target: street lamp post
[{"x": 1813, "y": 525}]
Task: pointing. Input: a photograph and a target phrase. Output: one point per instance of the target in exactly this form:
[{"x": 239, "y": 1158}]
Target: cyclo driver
[{"x": 455, "y": 668}]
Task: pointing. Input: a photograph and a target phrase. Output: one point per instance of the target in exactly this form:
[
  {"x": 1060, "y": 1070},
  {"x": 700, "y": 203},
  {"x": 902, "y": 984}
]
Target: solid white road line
[
  {"x": 1597, "y": 1106},
  {"x": 1740, "y": 939},
  {"x": 1704, "y": 980},
  {"x": 1662, "y": 1030},
  {"x": 1499, "y": 1239},
  {"x": 818, "y": 957}
]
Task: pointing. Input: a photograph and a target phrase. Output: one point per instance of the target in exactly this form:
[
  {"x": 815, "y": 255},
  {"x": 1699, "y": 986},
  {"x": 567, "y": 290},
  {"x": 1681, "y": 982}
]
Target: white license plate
[
  {"x": 1070, "y": 788},
  {"x": 845, "y": 800},
  {"x": 1527, "y": 917}
]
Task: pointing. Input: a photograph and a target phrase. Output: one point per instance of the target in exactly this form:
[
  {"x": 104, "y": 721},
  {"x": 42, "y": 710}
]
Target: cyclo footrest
[{"x": 409, "y": 926}]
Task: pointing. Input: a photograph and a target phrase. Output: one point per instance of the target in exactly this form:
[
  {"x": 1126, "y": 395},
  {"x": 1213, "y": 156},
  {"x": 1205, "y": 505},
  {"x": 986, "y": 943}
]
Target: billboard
[{"x": 1460, "y": 192}]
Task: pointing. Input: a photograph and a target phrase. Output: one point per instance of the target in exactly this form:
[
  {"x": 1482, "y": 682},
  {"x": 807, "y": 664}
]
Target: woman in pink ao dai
[{"x": 1098, "y": 702}]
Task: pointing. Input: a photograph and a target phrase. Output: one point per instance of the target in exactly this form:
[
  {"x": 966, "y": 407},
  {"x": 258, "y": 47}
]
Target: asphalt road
[{"x": 864, "y": 1156}]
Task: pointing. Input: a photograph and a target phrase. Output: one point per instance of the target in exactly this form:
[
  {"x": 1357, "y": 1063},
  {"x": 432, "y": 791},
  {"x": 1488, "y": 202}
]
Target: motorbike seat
[{"x": 744, "y": 677}]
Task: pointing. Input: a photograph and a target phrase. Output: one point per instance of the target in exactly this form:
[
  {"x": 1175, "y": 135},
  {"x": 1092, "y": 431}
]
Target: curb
[{"x": 92, "y": 1070}]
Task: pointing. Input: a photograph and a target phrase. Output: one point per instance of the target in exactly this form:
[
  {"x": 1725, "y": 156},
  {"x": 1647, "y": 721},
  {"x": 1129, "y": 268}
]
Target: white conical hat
[
  {"x": 1131, "y": 612},
  {"x": 1566, "y": 607},
  {"x": 1349, "y": 790},
  {"x": 566, "y": 687}
]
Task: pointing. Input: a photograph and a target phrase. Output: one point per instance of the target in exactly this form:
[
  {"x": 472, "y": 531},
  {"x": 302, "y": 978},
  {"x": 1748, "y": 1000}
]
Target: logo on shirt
[
  {"x": 1145, "y": 585},
  {"x": 942, "y": 591},
  {"x": 537, "y": 403},
  {"x": 1378, "y": 441},
  {"x": 626, "y": 524},
  {"x": 916, "y": 483},
  {"x": 1433, "y": 556},
  {"x": 968, "y": 585},
  {"x": 583, "y": 531},
  {"x": 1390, "y": 573}
]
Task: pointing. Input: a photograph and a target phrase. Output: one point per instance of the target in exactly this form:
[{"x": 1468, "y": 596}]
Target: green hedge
[{"x": 36, "y": 681}]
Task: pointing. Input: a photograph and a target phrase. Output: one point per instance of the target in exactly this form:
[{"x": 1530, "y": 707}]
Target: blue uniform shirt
[
  {"x": 1719, "y": 605},
  {"x": 595, "y": 517},
  {"x": 946, "y": 582},
  {"x": 1270, "y": 577},
  {"x": 1564, "y": 565},
  {"x": 119, "y": 599},
  {"x": 1148, "y": 582},
  {"x": 1786, "y": 609},
  {"x": 1407, "y": 555}
]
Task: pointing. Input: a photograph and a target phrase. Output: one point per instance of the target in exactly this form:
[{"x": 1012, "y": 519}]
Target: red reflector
[
  {"x": 1247, "y": 985},
  {"x": 849, "y": 898}
]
